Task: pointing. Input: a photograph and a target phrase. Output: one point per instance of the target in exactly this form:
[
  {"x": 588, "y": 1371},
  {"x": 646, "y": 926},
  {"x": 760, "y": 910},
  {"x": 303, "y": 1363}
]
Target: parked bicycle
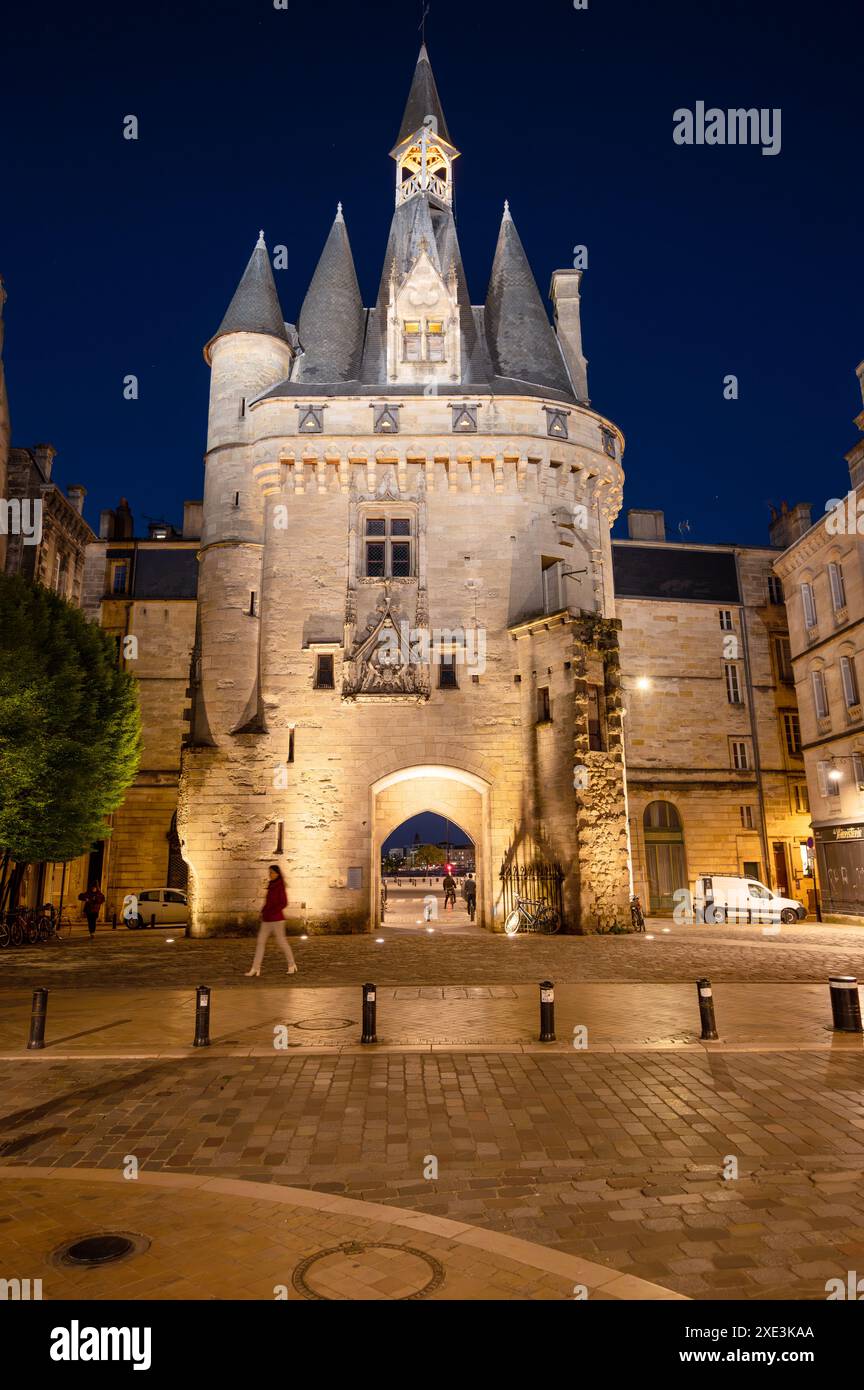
[
  {"x": 528, "y": 916},
  {"x": 26, "y": 926},
  {"x": 637, "y": 917}
]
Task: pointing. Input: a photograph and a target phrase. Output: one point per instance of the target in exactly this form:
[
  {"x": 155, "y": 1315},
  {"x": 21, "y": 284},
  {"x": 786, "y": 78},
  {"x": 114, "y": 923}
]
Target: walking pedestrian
[
  {"x": 449, "y": 886},
  {"x": 92, "y": 900},
  {"x": 469, "y": 892},
  {"x": 273, "y": 922}
]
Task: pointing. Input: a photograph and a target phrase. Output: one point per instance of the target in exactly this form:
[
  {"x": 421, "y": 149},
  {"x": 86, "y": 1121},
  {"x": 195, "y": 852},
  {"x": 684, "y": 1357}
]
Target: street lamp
[{"x": 643, "y": 683}]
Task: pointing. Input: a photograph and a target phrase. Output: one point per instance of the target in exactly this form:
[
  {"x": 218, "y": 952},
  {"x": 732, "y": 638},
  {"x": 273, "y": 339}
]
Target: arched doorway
[
  {"x": 460, "y": 796},
  {"x": 418, "y": 859},
  {"x": 664, "y": 854}
]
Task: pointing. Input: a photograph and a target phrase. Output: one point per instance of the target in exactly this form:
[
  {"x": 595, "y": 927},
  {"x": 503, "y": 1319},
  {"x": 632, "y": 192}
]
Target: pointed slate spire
[
  {"x": 332, "y": 321},
  {"x": 423, "y": 100},
  {"x": 521, "y": 338},
  {"x": 255, "y": 307}
]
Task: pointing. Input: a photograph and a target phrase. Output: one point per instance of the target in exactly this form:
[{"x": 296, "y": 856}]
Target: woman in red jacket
[{"x": 273, "y": 920}]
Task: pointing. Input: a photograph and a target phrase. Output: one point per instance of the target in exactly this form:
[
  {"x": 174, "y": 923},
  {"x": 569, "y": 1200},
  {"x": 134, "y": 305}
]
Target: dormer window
[
  {"x": 423, "y": 340},
  {"x": 412, "y": 341},
  {"x": 434, "y": 340}
]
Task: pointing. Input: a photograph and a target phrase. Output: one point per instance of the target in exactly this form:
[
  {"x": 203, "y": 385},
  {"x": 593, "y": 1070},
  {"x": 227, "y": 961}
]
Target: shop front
[{"x": 840, "y": 856}]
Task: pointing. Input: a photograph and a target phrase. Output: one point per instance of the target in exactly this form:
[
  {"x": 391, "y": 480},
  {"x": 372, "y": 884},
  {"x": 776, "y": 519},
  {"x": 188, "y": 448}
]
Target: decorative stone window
[
  {"x": 311, "y": 419},
  {"x": 608, "y": 438},
  {"x": 464, "y": 419},
  {"x": 387, "y": 546},
  {"x": 385, "y": 419},
  {"x": 423, "y": 340},
  {"x": 556, "y": 423}
]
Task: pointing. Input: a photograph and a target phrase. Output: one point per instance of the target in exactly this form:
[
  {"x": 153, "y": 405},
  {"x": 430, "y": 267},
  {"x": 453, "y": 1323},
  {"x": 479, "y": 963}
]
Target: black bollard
[
  {"x": 38, "y": 1017},
  {"x": 547, "y": 1011},
  {"x": 845, "y": 1004},
  {"x": 369, "y": 1022},
  {"x": 202, "y": 1016},
  {"x": 706, "y": 1011}
]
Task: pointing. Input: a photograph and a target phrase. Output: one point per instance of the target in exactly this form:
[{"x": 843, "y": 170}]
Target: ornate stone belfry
[{"x": 424, "y": 152}]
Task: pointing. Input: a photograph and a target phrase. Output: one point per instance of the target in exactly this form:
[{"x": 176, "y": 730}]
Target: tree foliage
[{"x": 69, "y": 726}]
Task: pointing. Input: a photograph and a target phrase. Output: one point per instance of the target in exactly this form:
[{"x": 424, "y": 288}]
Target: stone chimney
[
  {"x": 564, "y": 294},
  {"x": 76, "y": 494},
  {"x": 646, "y": 525},
  {"x": 124, "y": 526},
  {"x": 44, "y": 455},
  {"x": 193, "y": 520},
  {"x": 788, "y": 526}
]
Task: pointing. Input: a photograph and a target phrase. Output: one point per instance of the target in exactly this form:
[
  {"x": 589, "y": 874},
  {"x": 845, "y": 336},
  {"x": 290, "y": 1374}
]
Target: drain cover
[
  {"x": 101, "y": 1249},
  {"x": 324, "y": 1025},
  {"x": 376, "y": 1271}
]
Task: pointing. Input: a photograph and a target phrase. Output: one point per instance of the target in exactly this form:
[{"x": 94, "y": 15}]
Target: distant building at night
[
  {"x": 142, "y": 591},
  {"x": 823, "y": 576},
  {"x": 715, "y": 773}
]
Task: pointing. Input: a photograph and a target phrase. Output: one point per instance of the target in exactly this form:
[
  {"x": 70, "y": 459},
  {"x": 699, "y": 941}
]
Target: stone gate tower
[{"x": 405, "y": 596}]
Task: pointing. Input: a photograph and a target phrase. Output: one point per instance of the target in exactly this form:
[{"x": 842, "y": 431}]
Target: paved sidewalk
[
  {"x": 220, "y": 1238},
  {"x": 665, "y": 953},
  {"x": 619, "y": 1158},
  {"x": 258, "y": 1019}
]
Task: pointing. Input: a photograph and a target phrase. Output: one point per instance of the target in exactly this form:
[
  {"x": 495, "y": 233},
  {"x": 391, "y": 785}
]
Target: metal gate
[{"x": 542, "y": 883}]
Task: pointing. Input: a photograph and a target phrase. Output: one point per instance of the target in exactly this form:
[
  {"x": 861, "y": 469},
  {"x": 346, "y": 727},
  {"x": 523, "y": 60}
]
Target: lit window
[
  {"x": 435, "y": 340},
  {"x": 412, "y": 343},
  {"x": 388, "y": 547},
  {"x": 858, "y": 769}
]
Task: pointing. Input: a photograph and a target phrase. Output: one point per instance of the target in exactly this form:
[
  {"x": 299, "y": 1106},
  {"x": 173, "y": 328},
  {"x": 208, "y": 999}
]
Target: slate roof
[
  {"x": 423, "y": 100},
  {"x": 332, "y": 321},
  {"x": 255, "y": 307},
  {"x": 522, "y": 341}
]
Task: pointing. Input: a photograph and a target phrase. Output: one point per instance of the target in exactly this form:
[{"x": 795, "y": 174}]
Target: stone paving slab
[
  {"x": 220, "y": 1238},
  {"x": 665, "y": 953},
  {"x": 256, "y": 1019},
  {"x": 619, "y": 1159}
]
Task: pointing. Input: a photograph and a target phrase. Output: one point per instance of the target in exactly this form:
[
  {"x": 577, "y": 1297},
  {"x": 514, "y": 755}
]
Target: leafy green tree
[
  {"x": 69, "y": 729},
  {"x": 428, "y": 855}
]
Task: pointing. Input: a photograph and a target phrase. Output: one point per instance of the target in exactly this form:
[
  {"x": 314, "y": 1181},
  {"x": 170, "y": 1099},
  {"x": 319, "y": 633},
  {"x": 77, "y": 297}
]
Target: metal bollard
[
  {"x": 845, "y": 1004},
  {"x": 706, "y": 1011},
  {"x": 202, "y": 1017},
  {"x": 369, "y": 1010},
  {"x": 38, "y": 1017},
  {"x": 547, "y": 1011}
]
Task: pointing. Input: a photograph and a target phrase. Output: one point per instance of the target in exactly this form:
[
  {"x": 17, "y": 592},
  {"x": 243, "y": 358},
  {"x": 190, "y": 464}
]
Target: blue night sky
[
  {"x": 120, "y": 257},
  {"x": 432, "y": 830}
]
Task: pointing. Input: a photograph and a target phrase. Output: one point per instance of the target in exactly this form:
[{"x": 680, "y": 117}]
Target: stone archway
[{"x": 452, "y": 792}]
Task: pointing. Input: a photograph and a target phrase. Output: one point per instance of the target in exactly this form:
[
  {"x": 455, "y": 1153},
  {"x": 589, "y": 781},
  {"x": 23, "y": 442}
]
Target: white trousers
[{"x": 264, "y": 931}]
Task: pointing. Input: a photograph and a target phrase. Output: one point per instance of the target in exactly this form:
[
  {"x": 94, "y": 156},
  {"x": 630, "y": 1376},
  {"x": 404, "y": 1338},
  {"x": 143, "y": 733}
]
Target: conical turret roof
[
  {"x": 521, "y": 338},
  {"x": 423, "y": 100},
  {"x": 332, "y": 320},
  {"x": 255, "y": 307}
]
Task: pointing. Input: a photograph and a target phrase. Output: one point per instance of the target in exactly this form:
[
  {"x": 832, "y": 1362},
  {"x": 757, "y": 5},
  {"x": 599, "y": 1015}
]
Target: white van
[{"x": 726, "y": 899}]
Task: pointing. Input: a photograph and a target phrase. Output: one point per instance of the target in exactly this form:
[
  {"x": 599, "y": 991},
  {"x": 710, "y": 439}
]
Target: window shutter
[
  {"x": 822, "y": 773},
  {"x": 850, "y": 684},
  {"x": 809, "y": 605},
  {"x": 820, "y": 697},
  {"x": 838, "y": 591}
]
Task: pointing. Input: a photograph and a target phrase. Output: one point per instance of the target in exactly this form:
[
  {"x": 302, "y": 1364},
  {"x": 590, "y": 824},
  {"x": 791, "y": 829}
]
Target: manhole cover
[
  {"x": 324, "y": 1025},
  {"x": 101, "y": 1249},
  {"x": 357, "y": 1271}
]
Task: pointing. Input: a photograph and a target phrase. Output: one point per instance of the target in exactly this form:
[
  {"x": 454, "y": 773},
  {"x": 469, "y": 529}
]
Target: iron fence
[{"x": 541, "y": 882}]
